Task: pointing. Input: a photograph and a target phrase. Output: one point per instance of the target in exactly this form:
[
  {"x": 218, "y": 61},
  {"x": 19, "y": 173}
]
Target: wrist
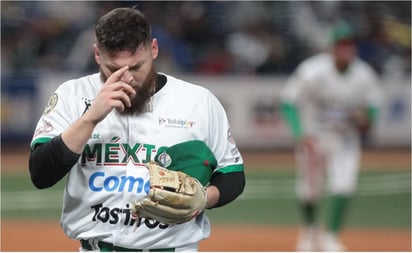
[
  {"x": 212, "y": 194},
  {"x": 77, "y": 135},
  {"x": 88, "y": 120}
]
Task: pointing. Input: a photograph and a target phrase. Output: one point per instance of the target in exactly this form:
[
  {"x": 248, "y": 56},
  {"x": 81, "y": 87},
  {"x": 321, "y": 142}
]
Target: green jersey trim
[
  {"x": 231, "y": 168},
  {"x": 40, "y": 140}
]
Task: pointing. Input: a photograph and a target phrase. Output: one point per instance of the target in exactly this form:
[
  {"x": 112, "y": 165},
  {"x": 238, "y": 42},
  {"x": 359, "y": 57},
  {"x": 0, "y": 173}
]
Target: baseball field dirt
[
  {"x": 48, "y": 236},
  {"x": 43, "y": 235}
]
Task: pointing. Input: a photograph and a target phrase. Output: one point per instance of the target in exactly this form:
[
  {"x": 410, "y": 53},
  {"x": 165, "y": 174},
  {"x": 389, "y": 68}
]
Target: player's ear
[
  {"x": 96, "y": 54},
  {"x": 154, "y": 49}
]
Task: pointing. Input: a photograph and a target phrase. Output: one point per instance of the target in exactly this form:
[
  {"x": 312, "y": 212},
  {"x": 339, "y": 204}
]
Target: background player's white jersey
[
  {"x": 111, "y": 174},
  {"x": 329, "y": 95}
]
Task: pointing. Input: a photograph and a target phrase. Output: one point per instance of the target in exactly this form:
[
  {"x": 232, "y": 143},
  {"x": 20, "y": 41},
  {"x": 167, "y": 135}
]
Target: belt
[{"x": 107, "y": 247}]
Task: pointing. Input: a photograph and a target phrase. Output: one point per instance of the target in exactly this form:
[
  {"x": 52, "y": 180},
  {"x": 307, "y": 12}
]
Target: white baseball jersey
[
  {"x": 328, "y": 96},
  {"x": 325, "y": 97},
  {"x": 110, "y": 173}
]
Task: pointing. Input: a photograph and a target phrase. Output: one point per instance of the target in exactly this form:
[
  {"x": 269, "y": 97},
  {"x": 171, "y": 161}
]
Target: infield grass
[{"x": 383, "y": 200}]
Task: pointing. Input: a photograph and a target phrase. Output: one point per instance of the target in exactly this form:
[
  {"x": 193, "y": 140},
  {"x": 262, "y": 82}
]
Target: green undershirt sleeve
[{"x": 291, "y": 114}]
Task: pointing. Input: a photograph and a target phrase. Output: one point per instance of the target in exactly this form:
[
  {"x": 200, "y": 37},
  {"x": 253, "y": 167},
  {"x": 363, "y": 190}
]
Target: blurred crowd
[{"x": 207, "y": 37}]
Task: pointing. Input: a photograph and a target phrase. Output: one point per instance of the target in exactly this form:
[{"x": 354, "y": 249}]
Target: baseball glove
[
  {"x": 360, "y": 120},
  {"x": 173, "y": 198}
]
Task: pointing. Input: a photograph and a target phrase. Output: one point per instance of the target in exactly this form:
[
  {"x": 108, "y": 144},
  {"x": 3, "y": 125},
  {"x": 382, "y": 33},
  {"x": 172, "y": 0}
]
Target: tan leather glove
[{"x": 174, "y": 197}]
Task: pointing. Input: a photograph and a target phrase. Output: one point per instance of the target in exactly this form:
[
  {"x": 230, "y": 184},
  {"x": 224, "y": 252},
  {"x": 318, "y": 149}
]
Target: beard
[{"x": 143, "y": 93}]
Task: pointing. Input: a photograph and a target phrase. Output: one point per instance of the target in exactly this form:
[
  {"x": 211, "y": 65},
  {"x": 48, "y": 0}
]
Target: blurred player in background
[{"x": 329, "y": 103}]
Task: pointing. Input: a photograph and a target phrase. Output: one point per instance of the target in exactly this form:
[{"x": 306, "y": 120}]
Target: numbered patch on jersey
[{"x": 51, "y": 104}]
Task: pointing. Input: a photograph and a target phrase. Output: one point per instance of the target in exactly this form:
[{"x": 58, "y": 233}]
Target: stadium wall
[{"x": 251, "y": 102}]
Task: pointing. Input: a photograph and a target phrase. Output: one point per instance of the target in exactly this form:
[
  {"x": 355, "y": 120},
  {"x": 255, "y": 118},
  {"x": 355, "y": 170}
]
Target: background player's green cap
[
  {"x": 342, "y": 31},
  {"x": 192, "y": 157}
]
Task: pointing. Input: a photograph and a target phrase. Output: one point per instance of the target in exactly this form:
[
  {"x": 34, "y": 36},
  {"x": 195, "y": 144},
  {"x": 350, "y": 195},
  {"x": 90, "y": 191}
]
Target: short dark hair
[{"x": 123, "y": 29}]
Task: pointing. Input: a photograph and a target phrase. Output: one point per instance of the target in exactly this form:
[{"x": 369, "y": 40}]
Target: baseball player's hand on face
[{"x": 116, "y": 93}]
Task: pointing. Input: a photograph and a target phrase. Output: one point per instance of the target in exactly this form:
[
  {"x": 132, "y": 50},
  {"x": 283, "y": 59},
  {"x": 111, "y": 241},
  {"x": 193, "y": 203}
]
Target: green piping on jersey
[
  {"x": 40, "y": 140},
  {"x": 231, "y": 168},
  {"x": 291, "y": 114}
]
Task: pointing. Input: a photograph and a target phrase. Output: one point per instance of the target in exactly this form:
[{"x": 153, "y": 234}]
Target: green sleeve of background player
[
  {"x": 373, "y": 113},
  {"x": 291, "y": 114}
]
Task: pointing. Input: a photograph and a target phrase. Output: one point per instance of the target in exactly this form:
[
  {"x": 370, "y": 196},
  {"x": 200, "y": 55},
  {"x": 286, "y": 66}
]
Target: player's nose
[{"x": 127, "y": 77}]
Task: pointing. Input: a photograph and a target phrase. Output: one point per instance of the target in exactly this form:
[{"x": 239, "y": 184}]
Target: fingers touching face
[{"x": 139, "y": 62}]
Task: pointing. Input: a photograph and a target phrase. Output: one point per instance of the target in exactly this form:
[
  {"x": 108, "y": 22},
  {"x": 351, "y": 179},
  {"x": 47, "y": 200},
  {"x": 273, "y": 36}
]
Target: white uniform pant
[
  {"x": 337, "y": 160},
  {"x": 194, "y": 247}
]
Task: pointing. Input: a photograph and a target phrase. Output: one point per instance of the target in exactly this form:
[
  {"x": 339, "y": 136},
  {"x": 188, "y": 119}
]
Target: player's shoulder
[
  {"x": 81, "y": 84},
  {"x": 361, "y": 65},
  {"x": 185, "y": 87},
  {"x": 318, "y": 63},
  {"x": 91, "y": 79}
]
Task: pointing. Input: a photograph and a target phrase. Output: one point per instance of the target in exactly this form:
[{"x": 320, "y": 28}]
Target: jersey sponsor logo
[
  {"x": 115, "y": 153},
  {"x": 118, "y": 215},
  {"x": 176, "y": 123},
  {"x": 99, "y": 181}
]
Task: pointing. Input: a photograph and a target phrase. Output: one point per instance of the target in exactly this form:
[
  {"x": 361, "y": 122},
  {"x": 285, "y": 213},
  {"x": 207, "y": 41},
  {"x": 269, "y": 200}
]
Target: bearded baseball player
[
  {"x": 329, "y": 102},
  {"x": 144, "y": 152}
]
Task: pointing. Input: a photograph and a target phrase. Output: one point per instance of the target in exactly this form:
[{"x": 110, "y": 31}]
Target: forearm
[
  {"x": 49, "y": 162},
  {"x": 224, "y": 188},
  {"x": 213, "y": 195},
  {"x": 291, "y": 115},
  {"x": 76, "y": 136}
]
